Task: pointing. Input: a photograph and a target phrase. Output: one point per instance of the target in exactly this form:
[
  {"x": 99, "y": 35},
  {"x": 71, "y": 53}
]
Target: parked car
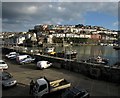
[
  {"x": 3, "y": 65},
  {"x": 43, "y": 64},
  {"x": 7, "y": 79},
  {"x": 76, "y": 92},
  {"x": 23, "y": 59},
  {"x": 12, "y": 55}
]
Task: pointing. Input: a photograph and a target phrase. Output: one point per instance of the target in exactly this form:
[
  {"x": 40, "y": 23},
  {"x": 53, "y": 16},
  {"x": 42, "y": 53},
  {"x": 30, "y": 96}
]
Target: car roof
[
  {"x": 75, "y": 91},
  {"x": 23, "y": 55},
  {"x": 2, "y": 61},
  {"x": 41, "y": 81},
  {"x": 12, "y": 52},
  {"x": 42, "y": 61}
]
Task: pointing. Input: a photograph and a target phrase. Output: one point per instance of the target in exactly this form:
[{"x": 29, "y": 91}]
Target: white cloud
[
  {"x": 50, "y": 5},
  {"x": 0, "y": 24},
  {"x": 32, "y": 9},
  {"x": 53, "y": 13},
  {"x": 61, "y": 8},
  {"x": 27, "y": 9},
  {"x": 116, "y": 23},
  {"x": 89, "y": 0},
  {"x": 60, "y": 1},
  {"x": 5, "y": 20}
]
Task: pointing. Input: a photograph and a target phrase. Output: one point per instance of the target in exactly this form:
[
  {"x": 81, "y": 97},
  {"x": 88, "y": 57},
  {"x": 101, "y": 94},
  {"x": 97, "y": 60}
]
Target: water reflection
[{"x": 85, "y": 52}]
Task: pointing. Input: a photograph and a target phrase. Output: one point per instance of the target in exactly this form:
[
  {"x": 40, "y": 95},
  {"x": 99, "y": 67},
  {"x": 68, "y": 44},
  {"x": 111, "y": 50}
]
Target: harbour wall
[{"x": 100, "y": 72}]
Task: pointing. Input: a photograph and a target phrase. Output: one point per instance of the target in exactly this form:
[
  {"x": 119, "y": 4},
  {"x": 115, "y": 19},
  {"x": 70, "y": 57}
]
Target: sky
[{"x": 22, "y": 16}]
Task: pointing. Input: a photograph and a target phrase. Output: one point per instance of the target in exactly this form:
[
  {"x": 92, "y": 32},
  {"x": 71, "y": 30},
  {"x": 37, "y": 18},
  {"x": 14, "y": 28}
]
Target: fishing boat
[
  {"x": 62, "y": 54},
  {"x": 49, "y": 50},
  {"x": 116, "y": 47},
  {"x": 67, "y": 54},
  {"x": 97, "y": 60},
  {"x": 117, "y": 64}
]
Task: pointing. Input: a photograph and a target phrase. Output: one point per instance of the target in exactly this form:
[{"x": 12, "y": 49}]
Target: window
[
  {"x": 2, "y": 62},
  {"x": 81, "y": 94},
  {"x": 48, "y": 62},
  {"x": 28, "y": 56},
  {"x": 23, "y": 59},
  {"x": 42, "y": 87}
]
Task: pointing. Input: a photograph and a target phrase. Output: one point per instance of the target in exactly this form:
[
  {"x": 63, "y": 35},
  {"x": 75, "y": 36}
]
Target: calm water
[{"x": 85, "y": 52}]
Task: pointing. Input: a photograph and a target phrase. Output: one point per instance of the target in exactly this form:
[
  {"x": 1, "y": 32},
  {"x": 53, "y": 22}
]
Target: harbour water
[{"x": 87, "y": 51}]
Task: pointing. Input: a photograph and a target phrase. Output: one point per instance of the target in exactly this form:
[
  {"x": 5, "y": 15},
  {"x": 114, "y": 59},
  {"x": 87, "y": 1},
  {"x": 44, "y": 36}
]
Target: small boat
[
  {"x": 97, "y": 60},
  {"x": 62, "y": 54},
  {"x": 67, "y": 54},
  {"x": 116, "y": 47},
  {"x": 117, "y": 64},
  {"x": 49, "y": 50}
]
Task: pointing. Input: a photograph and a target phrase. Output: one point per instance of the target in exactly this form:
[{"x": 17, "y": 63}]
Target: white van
[{"x": 43, "y": 64}]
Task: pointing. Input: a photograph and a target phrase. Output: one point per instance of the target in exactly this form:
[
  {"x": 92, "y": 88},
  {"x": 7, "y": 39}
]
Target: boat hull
[{"x": 116, "y": 47}]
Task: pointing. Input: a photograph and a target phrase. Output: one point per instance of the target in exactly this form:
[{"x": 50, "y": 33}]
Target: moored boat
[
  {"x": 49, "y": 50},
  {"x": 97, "y": 60},
  {"x": 67, "y": 54},
  {"x": 116, "y": 47},
  {"x": 62, "y": 54}
]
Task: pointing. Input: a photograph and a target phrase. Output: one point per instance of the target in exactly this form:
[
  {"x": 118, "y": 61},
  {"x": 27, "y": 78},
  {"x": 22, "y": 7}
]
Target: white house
[
  {"x": 20, "y": 40},
  {"x": 49, "y": 39}
]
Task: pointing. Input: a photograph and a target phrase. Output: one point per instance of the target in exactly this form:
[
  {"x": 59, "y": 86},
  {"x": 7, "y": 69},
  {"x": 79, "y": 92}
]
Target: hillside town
[{"x": 74, "y": 34}]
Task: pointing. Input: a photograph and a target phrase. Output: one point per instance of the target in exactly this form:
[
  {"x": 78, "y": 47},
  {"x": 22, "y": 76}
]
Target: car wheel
[
  {"x": 23, "y": 63},
  {"x": 3, "y": 86},
  {"x": 37, "y": 68},
  {"x": 42, "y": 68},
  {"x": 15, "y": 84}
]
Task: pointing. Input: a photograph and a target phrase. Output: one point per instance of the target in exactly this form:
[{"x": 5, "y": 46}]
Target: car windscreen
[
  {"x": 48, "y": 62},
  {"x": 23, "y": 59},
  {"x": 12, "y": 53},
  {"x": 67, "y": 95},
  {"x": 6, "y": 76}
]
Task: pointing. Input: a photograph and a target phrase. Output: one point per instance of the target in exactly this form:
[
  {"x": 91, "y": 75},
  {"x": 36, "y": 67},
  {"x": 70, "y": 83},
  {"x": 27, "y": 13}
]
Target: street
[{"x": 24, "y": 73}]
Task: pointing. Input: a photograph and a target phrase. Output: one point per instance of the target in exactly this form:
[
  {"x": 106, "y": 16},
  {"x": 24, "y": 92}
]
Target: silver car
[
  {"x": 12, "y": 55},
  {"x": 26, "y": 60},
  {"x": 7, "y": 79}
]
